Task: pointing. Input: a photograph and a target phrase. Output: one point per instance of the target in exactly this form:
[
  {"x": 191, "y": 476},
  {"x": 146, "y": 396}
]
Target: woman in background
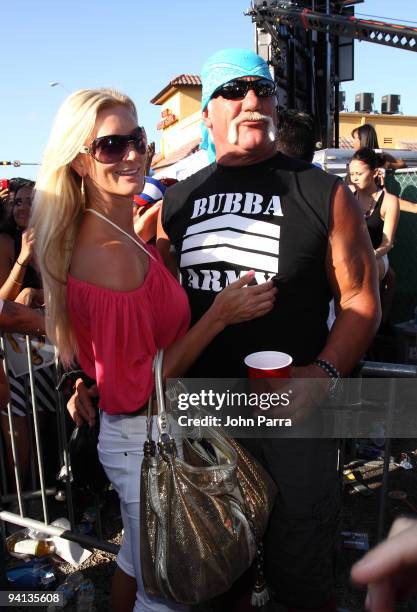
[
  {"x": 20, "y": 281},
  {"x": 381, "y": 212},
  {"x": 365, "y": 136}
]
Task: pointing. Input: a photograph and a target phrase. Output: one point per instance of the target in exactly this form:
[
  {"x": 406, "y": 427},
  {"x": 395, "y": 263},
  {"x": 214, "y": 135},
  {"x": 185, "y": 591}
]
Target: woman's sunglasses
[
  {"x": 113, "y": 148},
  {"x": 237, "y": 89}
]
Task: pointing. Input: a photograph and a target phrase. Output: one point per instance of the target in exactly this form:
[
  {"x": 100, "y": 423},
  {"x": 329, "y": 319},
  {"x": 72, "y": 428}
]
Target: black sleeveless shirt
[
  {"x": 271, "y": 217},
  {"x": 375, "y": 224}
]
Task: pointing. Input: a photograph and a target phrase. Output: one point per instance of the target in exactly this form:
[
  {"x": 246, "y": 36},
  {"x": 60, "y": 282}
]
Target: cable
[
  {"x": 395, "y": 19},
  {"x": 17, "y": 163}
]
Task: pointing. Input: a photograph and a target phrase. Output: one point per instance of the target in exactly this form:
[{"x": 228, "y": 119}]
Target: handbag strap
[{"x": 162, "y": 420}]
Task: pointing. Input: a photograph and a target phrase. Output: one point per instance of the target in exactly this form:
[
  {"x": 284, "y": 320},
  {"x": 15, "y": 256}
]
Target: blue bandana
[{"x": 222, "y": 67}]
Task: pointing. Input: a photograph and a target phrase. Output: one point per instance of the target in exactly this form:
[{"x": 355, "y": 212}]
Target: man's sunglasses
[
  {"x": 112, "y": 149},
  {"x": 237, "y": 89}
]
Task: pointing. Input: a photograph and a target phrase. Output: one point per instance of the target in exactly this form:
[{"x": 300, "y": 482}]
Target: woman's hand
[
  {"x": 31, "y": 297},
  {"x": 238, "y": 302},
  {"x": 145, "y": 224},
  {"x": 28, "y": 244},
  {"x": 4, "y": 194},
  {"x": 80, "y": 405}
]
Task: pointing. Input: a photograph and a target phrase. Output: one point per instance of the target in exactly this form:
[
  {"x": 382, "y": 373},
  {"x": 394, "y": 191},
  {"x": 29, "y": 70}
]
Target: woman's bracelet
[
  {"x": 21, "y": 265},
  {"x": 15, "y": 281}
]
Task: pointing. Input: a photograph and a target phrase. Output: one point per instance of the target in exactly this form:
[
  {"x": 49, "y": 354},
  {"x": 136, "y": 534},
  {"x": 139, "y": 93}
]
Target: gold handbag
[{"x": 202, "y": 517}]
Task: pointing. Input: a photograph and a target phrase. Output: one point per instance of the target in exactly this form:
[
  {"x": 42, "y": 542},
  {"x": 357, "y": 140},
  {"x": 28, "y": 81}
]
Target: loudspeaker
[
  {"x": 363, "y": 102},
  {"x": 342, "y": 100},
  {"x": 390, "y": 104}
]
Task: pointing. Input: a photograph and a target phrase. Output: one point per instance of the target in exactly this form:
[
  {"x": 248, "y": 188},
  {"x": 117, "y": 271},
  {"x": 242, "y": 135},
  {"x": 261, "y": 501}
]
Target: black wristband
[
  {"x": 21, "y": 265},
  {"x": 329, "y": 368}
]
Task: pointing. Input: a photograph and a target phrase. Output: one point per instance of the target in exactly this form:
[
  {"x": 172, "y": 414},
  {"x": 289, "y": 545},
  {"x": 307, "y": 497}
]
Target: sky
[{"x": 138, "y": 47}]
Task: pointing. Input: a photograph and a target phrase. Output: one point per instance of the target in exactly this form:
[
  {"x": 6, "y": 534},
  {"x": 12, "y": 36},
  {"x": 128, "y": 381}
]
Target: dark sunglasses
[
  {"x": 113, "y": 148},
  {"x": 237, "y": 89}
]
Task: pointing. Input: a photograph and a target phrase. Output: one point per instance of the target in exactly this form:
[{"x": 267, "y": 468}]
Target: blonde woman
[{"x": 111, "y": 302}]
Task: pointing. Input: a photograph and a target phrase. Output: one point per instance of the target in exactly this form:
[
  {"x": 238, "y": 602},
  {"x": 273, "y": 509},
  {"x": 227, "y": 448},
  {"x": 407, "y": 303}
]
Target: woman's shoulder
[
  {"x": 110, "y": 265},
  {"x": 390, "y": 198}
]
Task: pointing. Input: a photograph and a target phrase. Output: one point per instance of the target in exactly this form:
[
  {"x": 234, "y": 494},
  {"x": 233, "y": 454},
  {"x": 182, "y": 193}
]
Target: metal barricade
[
  {"x": 39, "y": 488},
  {"x": 365, "y": 369}
]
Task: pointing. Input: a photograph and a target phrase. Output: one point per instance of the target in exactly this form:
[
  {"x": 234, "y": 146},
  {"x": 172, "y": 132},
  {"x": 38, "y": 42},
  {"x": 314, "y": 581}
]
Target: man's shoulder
[
  {"x": 303, "y": 169},
  {"x": 191, "y": 182}
]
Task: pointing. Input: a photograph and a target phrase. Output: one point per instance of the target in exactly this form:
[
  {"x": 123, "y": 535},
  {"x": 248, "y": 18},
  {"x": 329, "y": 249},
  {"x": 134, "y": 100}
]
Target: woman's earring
[{"x": 82, "y": 189}]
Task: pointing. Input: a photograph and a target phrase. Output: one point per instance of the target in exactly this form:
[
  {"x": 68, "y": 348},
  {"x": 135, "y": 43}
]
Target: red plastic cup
[
  {"x": 268, "y": 364},
  {"x": 4, "y": 184}
]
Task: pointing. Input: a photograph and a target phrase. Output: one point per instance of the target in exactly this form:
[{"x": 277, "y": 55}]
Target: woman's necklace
[{"x": 371, "y": 207}]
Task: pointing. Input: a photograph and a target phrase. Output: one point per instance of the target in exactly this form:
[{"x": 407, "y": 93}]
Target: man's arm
[
  {"x": 16, "y": 318},
  {"x": 353, "y": 276}
]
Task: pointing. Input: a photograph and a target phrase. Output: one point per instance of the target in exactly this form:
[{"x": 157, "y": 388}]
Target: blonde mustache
[{"x": 232, "y": 133}]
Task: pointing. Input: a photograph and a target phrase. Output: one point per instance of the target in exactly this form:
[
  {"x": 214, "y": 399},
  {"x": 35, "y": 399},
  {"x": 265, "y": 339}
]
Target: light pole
[{"x": 58, "y": 84}]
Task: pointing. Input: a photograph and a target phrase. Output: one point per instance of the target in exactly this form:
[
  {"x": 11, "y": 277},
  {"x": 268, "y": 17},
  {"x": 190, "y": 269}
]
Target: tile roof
[
  {"x": 186, "y": 79},
  {"x": 176, "y": 156},
  {"x": 345, "y": 142},
  {"x": 410, "y": 145},
  {"x": 182, "y": 80}
]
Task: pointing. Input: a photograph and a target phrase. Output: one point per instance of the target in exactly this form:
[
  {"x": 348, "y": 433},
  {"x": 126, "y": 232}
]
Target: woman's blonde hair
[{"x": 59, "y": 205}]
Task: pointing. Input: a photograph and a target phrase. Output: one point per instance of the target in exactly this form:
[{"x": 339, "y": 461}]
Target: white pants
[
  {"x": 386, "y": 264},
  {"x": 120, "y": 450}
]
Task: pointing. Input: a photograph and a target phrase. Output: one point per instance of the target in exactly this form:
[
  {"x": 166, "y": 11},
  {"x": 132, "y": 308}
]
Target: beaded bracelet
[{"x": 329, "y": 368}]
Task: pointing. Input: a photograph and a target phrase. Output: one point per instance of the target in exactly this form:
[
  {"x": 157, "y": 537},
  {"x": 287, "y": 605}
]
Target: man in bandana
[{"x": 255, "y": 208}]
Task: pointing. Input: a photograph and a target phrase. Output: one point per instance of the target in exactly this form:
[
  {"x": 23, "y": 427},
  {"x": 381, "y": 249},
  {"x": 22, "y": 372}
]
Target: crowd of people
[{"x": 249, "y": 252}]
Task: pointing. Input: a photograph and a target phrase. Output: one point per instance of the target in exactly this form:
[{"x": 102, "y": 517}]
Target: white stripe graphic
[
  {"x": 256, "y": 261},
  {"x": 231, "y": 238},
  {"x": 244, "y": 224}
]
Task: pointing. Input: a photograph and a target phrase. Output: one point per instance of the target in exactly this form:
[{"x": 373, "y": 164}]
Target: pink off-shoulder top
[{"x": 119, "y": 332}]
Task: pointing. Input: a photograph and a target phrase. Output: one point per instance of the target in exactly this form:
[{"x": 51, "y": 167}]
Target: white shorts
[
  {"x": 385, "y": 261},
  {"x": 120, "y": 450}
]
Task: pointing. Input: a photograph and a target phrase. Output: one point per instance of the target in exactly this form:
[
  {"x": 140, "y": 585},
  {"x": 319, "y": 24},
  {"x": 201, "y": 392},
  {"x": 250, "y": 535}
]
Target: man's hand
[
  {"x": 307, "y": 388},
  {"x": 390, "y": 569},
  {"x": 31, "y": 297},
  {"x": 15, "y": 318},
  {"x": 80, "y": 406}
]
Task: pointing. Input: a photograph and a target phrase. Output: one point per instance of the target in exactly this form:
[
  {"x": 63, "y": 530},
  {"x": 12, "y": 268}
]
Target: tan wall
[
  {"x": 396, "y": 127},
  {"x": 180, "y": 133},
  {"x": 190, "y": 101},
  {"x": 184, "y": 104}
]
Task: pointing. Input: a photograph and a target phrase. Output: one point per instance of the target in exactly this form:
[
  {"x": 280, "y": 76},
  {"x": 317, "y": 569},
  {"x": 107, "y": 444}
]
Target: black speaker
[
  {"x": 390, "y": 104},
  {"x": 364, "y": 102},
  {"x": 342, "y": 100}
]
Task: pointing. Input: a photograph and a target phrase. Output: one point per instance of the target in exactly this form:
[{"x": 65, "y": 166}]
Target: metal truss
[{"x": 270, "y": 17}]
